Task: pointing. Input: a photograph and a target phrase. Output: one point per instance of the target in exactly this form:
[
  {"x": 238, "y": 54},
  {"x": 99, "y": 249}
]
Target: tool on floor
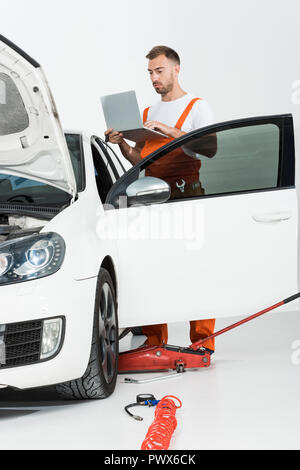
[
  {"x": 166, "y": 357},
  {"x": 161, "y": 430},
  {"x": 129, "y": 380},
  {"x": 142, "y": 400}
]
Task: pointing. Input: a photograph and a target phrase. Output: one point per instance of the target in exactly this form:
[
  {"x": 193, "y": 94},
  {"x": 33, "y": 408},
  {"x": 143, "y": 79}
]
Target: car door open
[{"x": 231, "y": 248}]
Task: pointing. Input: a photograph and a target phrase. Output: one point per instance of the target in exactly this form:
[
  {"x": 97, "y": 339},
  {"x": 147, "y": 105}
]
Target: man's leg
[
  {"x": 156, "y": 334},
  {"x": 200, "y": 329}
]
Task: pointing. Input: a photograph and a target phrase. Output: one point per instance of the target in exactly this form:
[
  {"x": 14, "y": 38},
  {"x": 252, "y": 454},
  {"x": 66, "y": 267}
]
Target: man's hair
[{"x": 166, "y": 51}]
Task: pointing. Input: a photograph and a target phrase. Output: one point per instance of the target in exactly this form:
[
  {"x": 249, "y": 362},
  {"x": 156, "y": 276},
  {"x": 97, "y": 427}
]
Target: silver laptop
[{"x": 121, "y": 112}]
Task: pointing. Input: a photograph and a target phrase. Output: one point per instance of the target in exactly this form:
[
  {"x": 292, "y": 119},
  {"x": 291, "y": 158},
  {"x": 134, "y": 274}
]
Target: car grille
[{"x": 20, "y": 343}]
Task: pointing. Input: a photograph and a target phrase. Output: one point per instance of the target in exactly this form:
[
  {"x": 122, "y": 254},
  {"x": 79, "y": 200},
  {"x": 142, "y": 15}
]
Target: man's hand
[
  {"x": 114, "y": 136},
  {"x": 133, "y": 155},
  {"x": 167, "y": 130}
]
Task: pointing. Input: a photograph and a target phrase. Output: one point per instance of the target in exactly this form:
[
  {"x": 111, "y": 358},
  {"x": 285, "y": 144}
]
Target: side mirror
[{"x": 148, "y": 190}]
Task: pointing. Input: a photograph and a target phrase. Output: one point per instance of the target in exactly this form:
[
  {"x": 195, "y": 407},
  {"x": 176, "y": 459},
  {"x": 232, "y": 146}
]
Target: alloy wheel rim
[{"x": 107, "y": 333}]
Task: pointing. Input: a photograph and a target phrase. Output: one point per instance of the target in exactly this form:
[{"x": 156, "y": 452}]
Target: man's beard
[{"x": 164, "y": 90}]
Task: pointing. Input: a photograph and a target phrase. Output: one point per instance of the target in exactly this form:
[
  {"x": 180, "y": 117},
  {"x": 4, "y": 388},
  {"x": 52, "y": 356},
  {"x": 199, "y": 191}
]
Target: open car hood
[{"x": 32, "y": 142}]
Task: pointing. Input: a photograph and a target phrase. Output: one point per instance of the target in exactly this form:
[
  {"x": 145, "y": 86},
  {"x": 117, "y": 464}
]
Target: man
[{"x": 176, "y": 114}]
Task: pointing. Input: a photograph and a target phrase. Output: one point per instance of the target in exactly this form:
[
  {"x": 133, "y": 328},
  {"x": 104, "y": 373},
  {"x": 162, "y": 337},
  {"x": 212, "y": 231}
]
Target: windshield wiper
[{"x": 29, "y": 209}]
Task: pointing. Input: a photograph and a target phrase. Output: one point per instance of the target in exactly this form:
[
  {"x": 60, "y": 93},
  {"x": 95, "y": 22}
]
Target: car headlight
[{"x": 32, "y": 257}]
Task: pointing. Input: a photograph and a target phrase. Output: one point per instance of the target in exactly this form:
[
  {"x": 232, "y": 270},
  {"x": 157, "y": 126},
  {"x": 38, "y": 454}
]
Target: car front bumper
[{"x": 50, "y": 297}]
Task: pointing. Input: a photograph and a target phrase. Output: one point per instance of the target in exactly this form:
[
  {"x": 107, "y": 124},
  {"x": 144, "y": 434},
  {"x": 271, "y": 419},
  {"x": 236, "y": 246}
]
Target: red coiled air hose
[{"x": 161, "y": 430}]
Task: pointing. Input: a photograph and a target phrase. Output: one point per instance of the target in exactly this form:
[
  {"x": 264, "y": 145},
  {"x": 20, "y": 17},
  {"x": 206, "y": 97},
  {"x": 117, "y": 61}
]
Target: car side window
[
  {"x": 233, "y": 160},
  {"x": 237, "y": 157},
  {"x": 103, "y": 174},
  {"x": 114, "y": 160},
  {"x": 74, "y": 143},
  {"x": 234, "y": 157}
]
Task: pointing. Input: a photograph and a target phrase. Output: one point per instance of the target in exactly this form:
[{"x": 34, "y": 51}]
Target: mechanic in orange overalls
[{"x": 176, "y": 114}]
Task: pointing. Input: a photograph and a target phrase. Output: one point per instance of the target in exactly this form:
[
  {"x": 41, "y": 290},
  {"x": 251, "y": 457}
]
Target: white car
[{"x": 87, "y": 248}]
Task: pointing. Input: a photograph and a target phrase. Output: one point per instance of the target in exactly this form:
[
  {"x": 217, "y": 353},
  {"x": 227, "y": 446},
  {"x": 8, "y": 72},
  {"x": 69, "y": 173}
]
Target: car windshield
[{"x": 24, "y": 190}]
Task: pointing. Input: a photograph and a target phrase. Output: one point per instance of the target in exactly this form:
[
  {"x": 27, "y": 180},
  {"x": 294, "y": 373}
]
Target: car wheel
[{"x": 100, "y": 378}]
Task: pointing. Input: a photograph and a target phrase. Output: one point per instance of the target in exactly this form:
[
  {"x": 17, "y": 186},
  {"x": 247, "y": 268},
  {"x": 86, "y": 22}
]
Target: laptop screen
[{"x": 121, "y": 111}]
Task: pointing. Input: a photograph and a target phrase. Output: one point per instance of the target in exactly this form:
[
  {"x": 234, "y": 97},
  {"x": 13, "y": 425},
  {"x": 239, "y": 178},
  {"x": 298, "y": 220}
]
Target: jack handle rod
[{"x": 198, "y": 344}]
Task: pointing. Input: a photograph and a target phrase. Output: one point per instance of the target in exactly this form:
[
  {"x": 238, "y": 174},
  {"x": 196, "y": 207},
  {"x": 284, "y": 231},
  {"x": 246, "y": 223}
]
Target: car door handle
[{"x": 272, "y": 217}]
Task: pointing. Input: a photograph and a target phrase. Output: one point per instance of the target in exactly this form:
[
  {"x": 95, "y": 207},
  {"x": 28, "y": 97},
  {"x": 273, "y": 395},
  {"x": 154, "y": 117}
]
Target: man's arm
[
  {"x": 206, "y": 145},
  {"x": 132, "y": 154}
]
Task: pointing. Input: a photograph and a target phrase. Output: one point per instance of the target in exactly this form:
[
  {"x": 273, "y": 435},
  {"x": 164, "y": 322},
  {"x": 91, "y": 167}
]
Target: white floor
[{"x": 248, "y": 399}]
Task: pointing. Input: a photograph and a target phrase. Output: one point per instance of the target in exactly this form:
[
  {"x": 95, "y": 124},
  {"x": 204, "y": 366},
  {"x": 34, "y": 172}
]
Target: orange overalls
[{"x": 174, "y": 166}]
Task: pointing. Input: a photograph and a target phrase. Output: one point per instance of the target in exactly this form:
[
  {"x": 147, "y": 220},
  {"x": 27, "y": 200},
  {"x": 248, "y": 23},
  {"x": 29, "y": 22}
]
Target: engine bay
[{"x": 16, "y": 226}]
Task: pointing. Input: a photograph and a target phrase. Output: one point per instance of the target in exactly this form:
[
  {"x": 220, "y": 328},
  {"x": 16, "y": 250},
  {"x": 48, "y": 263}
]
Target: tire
[{"x": 99, "y": 379}]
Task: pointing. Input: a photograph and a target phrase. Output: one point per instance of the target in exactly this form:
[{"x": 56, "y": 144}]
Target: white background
[{"x": 241, "y": 56}]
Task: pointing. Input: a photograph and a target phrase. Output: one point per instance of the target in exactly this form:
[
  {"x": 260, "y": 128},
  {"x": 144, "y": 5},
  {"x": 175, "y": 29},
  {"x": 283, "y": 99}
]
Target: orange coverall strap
[
  {"x": 186, "y": 113},
  {"x": 150, "y": 146},
  {"x": 145, "y": 114}
]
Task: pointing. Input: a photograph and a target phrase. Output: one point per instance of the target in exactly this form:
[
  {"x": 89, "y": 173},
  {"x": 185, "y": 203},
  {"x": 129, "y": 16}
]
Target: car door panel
[
  {"x": 211, "y": 276},
  {"x": 209, "y": 257}
]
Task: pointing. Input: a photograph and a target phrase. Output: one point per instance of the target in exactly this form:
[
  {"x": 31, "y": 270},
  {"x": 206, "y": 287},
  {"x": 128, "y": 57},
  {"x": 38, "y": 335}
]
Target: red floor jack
[{"x": 166, "y": 357}]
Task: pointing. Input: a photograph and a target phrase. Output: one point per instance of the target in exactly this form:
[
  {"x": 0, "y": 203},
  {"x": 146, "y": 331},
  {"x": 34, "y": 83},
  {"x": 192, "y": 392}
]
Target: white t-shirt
[{"x": 168, "y": 112}]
